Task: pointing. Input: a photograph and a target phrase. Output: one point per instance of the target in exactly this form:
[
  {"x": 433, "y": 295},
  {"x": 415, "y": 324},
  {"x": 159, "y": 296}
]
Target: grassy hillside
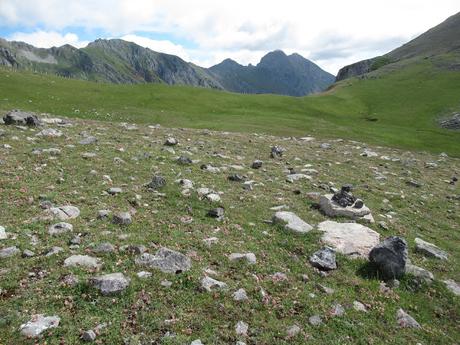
[{"x": 397, "y": 110}]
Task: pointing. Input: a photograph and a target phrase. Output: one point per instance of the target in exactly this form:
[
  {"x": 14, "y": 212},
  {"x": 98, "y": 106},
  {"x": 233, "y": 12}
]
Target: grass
[
  {"x": 403, "y": 106},
  {"x": 146, "y": 311}
]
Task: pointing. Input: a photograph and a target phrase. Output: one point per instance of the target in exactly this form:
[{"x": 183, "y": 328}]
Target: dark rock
[
  {"x": 236, "y": 178},
  {"x": 344, "y": 197},
  {"x": 216, "y": 213},
  {"x": 18, "y": 117},
  {"x": 390, "y": 257},
  {"x": 324, "y": 259},
  {"x": 184, "y": 160},
  {"x": 277, "y": 152},
  {"x": 257, "y": 164},
  {"x": 157, "y": 182}
]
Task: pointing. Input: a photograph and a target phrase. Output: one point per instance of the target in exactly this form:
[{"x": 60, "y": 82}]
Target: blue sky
[{"x": 331, "y": 33}]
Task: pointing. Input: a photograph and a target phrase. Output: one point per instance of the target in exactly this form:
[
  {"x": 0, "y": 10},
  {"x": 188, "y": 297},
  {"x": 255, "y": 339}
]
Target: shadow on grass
[{"x": 368, "y": 271}]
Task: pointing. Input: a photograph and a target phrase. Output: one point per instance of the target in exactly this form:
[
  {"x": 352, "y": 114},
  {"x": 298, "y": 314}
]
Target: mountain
[
  {"x": 275, "y": 73},
  {"x": 118, "y": 61},
  {"x": 441, "y": 40}
]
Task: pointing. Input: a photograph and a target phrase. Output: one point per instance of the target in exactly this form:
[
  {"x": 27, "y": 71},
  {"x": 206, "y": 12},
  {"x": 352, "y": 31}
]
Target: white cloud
[
  {"x": 244, "y": 28},
  {"x": 163, "y": 46},
  {"x": 48, "y": 39}
]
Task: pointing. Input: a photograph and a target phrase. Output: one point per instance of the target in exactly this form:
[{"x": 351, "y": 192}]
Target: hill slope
[
  {"x": 440, "y": 40},
  {"x": 118, "y": 61},
  {"x": 276, "y": 73}
]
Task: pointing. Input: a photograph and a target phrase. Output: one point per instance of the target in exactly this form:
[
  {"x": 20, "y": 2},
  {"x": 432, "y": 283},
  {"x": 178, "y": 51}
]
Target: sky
[{"x": 332, "y": 33}]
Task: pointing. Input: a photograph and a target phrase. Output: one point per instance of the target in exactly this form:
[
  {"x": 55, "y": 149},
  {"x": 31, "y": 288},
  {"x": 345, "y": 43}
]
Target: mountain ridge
[{"x": 119, "y": 61}]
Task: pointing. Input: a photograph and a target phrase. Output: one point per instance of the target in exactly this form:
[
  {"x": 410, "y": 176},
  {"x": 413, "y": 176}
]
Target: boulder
[
  {"x": 64, "y": 212},
  {"x": 109, "y": 284},
  {"x": 18, "y": 117},
  {"x": 38, "y": 324},
  {"x": 390, "y": 257},
  {"x": 291, "y": 222},
  {"x": 8, "y": 252},
  {"x": 166, "y": 260},
  {"x": 351, "y": 239},
  {"x": 429, "y": 249}
]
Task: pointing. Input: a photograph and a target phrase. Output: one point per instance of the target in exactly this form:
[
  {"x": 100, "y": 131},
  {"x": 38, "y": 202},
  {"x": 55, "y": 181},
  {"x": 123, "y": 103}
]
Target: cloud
[
  {"x": 240, "y": 27},
  {"x": 48, "y": 39},
  {"x": 163, "y": 46}
]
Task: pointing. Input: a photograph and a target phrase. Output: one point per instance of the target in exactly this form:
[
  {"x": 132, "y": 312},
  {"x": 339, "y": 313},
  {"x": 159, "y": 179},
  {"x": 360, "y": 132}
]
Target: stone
[
  {"x": 291, "y": 178},
  {"x": 88, "y": 140},
  {"x": 109, "y": 284},
  {"x": 3, "y": 234},
  {"x": 453, "y": 286},
  {"x": 429, "y": 249},
  {"x": 369, "y": 153},
  {"x": 257, "y": 164},
  {"x": 143, "y": 274},
  {"x": 337, "y": 310},
  {"x": 333, "y": 209},
  {"x": 60, "y": 228},
  {"x": 49, "y": 133},
  {"x": 103, "y": 214},
  {"x": 210, "y": 168},
  {"x": 38, "y": 324},
  {"x": 54, "y": 250},
  {"x": 166, "y": 260},
  {"x": 315, "y": 320},
  {"x": 291, "y": 222},
  {"x": 18, "y": 117},
  {"x": 249, "y": 257},
  {"x": 83, "y": 261},
  {"x": 241, "y": 328},
  {"x": 390, "y": 257},
  {"x": 196, "y": 342},
  {"x": 240, "y": 295},
  {"x": 28, "y": 253},
  {"x": 88, "y": 336},
  {"x": 324, "y": 259},
  {"x": 292, "y": 331},
  {"x": 404, "y": 320},
  {"x": 277, "y": 152},
  {"x": 122, "y": 218},
  {"x": 351, "y": 239},
  {"x": 419, "y": 273},
  {"x": 209, "y": 284},
  {"x": 358, "y": 306},
  {"x": 9, "y": 252},
  {"x": 64, "y": 212},
  {"x": 104, "y": 247},
  {"x": 235, "y": 178},
  {"x": 171, "y": 142},
  {"x": 184, "y": 160},
  {"x": 114, "y": 191},
  {"x": 216, "y": 213},
  {"x": 213, "y": 197},
  {"x": 157, "y": 182}
]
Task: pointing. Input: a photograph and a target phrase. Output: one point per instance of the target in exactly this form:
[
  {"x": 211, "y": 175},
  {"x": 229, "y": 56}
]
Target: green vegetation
[
  {"x": 380, "y": 62},
  {"x": 404, "y": 105}
]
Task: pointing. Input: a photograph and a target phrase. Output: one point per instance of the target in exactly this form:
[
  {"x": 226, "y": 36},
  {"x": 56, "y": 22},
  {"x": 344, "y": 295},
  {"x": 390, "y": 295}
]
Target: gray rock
[
  {"x": 88, "y": 336},
  {"x": 277, "y": 152},
  {"x": 83, "y": 261},
  {"x": 54, "y": 250},
  {"x": 240, "y": 295},
  {"x": 209, "y": 284},
  {"x": 102, "y": 214},
  {"x": 241, "y": 328},
  {"x": 196, "y": 342},
  {"x": 324, "y": 259},
  {"x": 166, "y": 260},
  {"x": 291, "y": 222},
  {"x": 257, "y": 164},
  {"x": 293, "y": 331},
  {"x": 216, "y": 213},
  {"x": 28, "y": 253},
  {"x": 184, "y": 160},
  {"x": 122, "y": 218},
  {"x": 49, "y": 133},
  {"x": 88, "y": 140},
  {"x": 210, "y": 168},
  {"x": 453, "y": 286},
  {"x": 358, "y": 306},
  {"x": 249, "y": 257},
  {"x": 390, "y": 257},
  {"x": 171, "y": 142},
  {"x": 419, "y": 273},
  {"x": 104, "y": 247},
  {"x": 64, "y": 212},
  {"x": 157, "y": 182},
  {"x": 404, "y": 320},
  {"x": 60, "y": 228},
  {"x": 351, "y": 239},
  {"x": 143, "y": 274},
  {"x": 337, "y": 310},
  {"x": 3, "y": 234},
  {"x": 9, "y": 252},
  {"x": 109, "y": 284},
  {"x": 38, "y": 324},
  {"x": 18, "y": 117},
  {"x": 114, "y": 190},
  {"x": 291, "y": 178},
  {"x": 315, "y": 320},
  {"x": 430, "y": 249}
]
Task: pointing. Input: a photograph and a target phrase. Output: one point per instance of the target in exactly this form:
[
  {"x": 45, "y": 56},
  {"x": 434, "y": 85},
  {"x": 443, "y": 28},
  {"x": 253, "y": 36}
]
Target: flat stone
[
  {"x": 213, "y": 197},
  {"x": 9, "y": 252},
  {"x": 291, "y": 222},
  {"x": 88, "y": 140},
  {"x": 109, "y": 284},
  {"x": 351, "y": 239},
  {"x": 60, "y": 228},
  {"x": 453, "y": 286},
  {"x": 166, "y": 260},
  {"x": 64, "y": 212},
  {"x": 104, "y": 247},
  {"x": 419, "y": 273},
  {"x": 249, "y": 257},
  {"x": 54, "y": 250},
  {"x": 430, "y": 249},
  {"x": 83, "y": 261},
  {"x": 390, "y": 257},
  {"x": 38, "y": 324},
  {"x": 324, "y": 259},
  {"x": 404, "y": 320},
  {"x": 241, "y": 328},
  {"x": 114, "y": 190},
  {"x": 333, "y": 209},
  {"x": 209, "y": 284},
  {"x": 143, "y": 274},
  {"x": 296, "y": 177},
  {"x": 50, "y": 133}
]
